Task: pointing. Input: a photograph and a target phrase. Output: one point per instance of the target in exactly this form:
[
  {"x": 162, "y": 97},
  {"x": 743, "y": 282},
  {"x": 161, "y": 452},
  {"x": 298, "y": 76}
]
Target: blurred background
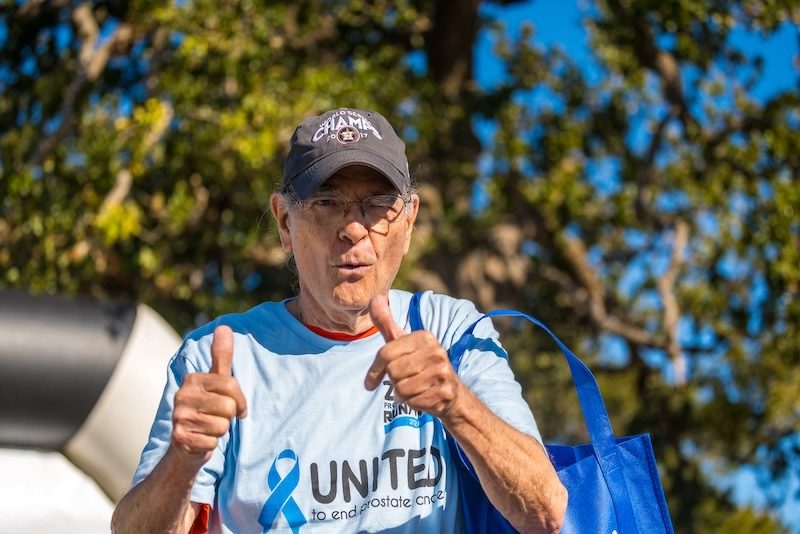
[{"x": 627, "y": 171}]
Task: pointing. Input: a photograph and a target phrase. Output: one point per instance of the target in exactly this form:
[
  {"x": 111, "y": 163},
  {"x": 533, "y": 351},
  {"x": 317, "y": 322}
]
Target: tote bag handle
[{"x": 592, "y": 406}]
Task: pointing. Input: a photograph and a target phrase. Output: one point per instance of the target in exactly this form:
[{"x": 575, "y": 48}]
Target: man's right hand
[{"x": 206, "y": 403}]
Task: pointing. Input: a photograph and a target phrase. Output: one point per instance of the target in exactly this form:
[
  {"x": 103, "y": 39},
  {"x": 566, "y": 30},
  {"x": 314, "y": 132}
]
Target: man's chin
[{"x": 352, "y": 296}]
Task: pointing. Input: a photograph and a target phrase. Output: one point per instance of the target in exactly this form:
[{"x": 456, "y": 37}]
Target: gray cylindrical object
[{"x": 56, "y": 356}]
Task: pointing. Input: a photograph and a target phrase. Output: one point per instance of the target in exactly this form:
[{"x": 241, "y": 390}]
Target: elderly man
[{"x": 324, "y": 413}]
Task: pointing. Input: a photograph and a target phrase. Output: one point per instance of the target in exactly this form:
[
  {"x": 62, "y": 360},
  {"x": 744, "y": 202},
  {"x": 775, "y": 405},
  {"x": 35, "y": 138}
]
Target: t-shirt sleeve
[
  {"x": 485, "y": 370},
  {"x": 190, "y": 358},
  {"x": 484, "y": 366}
]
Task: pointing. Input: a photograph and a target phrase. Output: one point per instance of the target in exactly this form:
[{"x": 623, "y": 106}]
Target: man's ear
[{"x": 280, "y": 211}]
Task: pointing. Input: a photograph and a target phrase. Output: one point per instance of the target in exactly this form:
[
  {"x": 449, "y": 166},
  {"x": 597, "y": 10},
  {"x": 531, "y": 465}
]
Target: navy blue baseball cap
[{"x": 323, "y": 145}]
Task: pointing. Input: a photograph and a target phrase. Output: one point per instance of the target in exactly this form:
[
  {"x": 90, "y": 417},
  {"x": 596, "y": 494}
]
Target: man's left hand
[{"x": 415, "y": 362}]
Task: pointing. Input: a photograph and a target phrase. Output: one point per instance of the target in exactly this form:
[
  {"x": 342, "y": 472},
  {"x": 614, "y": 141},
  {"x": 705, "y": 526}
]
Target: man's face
[{"x": 342, "y": 265}]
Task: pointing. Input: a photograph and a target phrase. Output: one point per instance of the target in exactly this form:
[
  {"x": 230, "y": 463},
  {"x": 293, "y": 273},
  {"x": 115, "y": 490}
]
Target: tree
[{"x": 649, "y": 216}]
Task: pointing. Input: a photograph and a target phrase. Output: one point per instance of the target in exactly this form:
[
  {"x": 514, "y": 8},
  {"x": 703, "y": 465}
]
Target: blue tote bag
[{"x": 613, "y": 483}]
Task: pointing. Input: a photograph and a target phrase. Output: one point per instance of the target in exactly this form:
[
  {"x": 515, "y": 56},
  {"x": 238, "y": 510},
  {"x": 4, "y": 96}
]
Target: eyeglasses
[{"x": 331, "y": 209}]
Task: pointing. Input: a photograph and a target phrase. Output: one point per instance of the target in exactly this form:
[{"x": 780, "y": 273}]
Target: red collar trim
[{"x": 339, "y": 336}]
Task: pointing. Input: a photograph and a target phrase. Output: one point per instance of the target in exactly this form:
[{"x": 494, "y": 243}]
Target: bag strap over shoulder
[
  {"x": 592, "y": 406},
  {"x": 414, "y": 318}
]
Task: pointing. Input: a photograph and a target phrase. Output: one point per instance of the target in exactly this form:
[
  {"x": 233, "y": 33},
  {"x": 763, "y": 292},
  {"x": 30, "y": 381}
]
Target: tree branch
[
  {"x": 644, "y": 173},
  {"x": 658, "y": 60},
  {"x": 120, "y": 190},
  {"x": 92, "y": 61},
  {"x": 666, "y": 288},
  {"x": 574, "y": 251}
]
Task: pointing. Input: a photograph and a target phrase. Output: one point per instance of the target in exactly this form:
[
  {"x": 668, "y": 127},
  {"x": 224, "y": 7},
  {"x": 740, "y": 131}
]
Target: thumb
[
  {"x": 222, "y": 350},
  {"x": 381, "y": 317}
]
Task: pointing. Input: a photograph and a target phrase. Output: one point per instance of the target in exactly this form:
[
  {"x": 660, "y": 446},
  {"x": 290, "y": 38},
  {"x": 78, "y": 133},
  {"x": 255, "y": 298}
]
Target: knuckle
[
  {"x": 429, "y": 339},
  {"x": 226, "y": 385},
  {"x": 428, "y": 335},
  {"x": 183, "y": 413},
  {"x": 186, "y": 405},
  {"x": 178, "y": 416},
  {"x": 180, "y": 435},
  {"x": 227, "y": 407},
  {"x": 391, "y": 369},
  {"x": 219, "y": 427},
  {"x": 204, "y": 442},
  {"x": 443, "y": 368},
  {"x": 383, "y": 354},
  {"x": 441, "y": 354},
  {"x": 181, "y": 395}
]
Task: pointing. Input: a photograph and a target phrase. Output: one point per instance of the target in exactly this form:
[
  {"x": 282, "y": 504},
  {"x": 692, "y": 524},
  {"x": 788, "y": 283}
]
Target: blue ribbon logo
[{"x": 281, "y": 500}]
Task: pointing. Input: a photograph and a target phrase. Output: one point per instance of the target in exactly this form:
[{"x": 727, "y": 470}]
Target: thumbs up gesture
[
  {"x": 416, "y": 364},
  {"x": 206, "y": 403}
]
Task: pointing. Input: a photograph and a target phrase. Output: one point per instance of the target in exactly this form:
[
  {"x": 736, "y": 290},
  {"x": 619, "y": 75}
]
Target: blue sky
[{"x": 558, "y": 23}]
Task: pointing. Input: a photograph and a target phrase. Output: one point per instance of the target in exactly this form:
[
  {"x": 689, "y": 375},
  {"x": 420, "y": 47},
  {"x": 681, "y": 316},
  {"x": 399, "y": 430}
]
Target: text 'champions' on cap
[{"x": 323, "y": 145}]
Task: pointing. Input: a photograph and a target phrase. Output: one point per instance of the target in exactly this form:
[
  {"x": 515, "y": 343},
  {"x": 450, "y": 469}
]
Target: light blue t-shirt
[{"x": 317, "y": 451}]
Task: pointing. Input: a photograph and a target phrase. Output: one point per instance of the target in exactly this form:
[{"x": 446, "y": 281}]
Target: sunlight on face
[{"x": 342, "y": 266}]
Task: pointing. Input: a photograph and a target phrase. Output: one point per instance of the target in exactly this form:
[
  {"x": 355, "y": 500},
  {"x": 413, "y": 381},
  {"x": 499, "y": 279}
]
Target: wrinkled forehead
[{"x": 358, "y": 179}]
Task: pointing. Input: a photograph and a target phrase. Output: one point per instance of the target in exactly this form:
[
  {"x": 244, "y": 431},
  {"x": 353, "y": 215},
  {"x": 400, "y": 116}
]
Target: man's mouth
[
  {"x": 353, "y": 265},
  {"x": 353, "y": 268}
]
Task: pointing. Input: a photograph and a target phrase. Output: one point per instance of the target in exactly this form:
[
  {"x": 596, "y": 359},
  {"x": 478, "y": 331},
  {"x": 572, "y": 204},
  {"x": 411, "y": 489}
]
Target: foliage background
[{"x": 651, "y": 214}]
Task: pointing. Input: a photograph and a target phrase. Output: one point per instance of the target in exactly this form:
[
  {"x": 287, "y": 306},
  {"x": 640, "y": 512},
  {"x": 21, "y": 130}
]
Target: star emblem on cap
[{"x": 348, "y": 134}]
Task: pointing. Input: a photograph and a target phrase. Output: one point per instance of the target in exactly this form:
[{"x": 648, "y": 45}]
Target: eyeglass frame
[{"x": 347, "y": 203}]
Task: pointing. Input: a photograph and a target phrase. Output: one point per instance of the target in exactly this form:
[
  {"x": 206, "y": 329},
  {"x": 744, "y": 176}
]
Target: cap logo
[
  {"x": 348, "y": 134},
  {"x": 346, "y": 126}
]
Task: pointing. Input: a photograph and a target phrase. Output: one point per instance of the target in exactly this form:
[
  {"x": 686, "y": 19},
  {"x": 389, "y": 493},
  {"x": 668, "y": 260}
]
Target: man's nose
[{"x": 354, "y": 225}]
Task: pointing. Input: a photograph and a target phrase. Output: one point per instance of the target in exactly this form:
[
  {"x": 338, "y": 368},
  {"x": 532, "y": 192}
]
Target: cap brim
[{"x": 308, "y": 181}]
